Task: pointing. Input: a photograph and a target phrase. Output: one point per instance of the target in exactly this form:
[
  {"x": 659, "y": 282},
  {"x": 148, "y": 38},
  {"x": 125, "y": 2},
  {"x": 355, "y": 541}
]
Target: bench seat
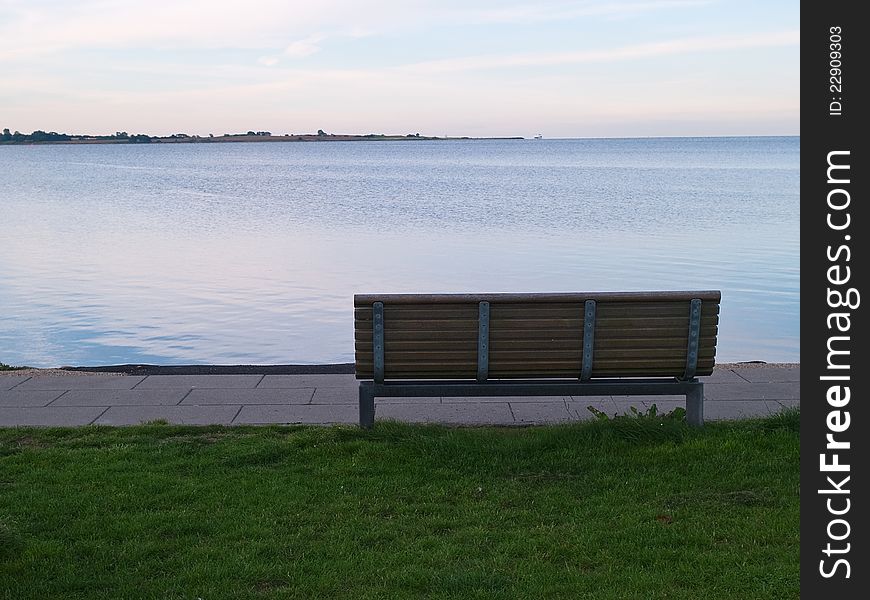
[{"x": 534, "y": 344}]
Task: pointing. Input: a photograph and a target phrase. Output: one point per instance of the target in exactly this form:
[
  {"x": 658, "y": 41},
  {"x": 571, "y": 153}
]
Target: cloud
[
  {"x": 359, "y": 32},
  {"x": 639, "y": 51},
  {"x": 304, "y": 47},
  {"x": 31, "y": 27},
  {"x": 269, "y": 61},
  {"x": 308, "y": 46},
  {"x": 560, "y": 11}
]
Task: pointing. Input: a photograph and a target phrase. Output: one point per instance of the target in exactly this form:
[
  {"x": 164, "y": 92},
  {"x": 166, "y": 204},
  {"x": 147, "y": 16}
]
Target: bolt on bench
[{"x": 567, "y": 344}]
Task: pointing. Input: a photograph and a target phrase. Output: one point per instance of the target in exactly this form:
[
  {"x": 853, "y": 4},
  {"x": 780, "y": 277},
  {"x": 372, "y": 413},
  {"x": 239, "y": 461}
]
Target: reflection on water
[{"x": 251, "y": 253}]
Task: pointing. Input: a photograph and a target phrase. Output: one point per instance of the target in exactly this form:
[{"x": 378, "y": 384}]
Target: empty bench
[{"x": 567, "y": 344}]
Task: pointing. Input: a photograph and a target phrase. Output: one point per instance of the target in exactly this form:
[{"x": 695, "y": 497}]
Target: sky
[{"x": 591, "y": 68}]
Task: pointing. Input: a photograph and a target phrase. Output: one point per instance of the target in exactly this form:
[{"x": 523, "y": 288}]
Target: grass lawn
[{"x": 630, "y": 508}]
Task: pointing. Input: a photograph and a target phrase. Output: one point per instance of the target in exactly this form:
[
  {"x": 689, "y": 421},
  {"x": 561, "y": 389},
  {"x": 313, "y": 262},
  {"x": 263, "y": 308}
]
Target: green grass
[{"x": 610, "y": 509}]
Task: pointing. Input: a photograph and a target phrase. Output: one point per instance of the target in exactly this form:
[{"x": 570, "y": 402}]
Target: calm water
[{"x": 251, "y": 253}]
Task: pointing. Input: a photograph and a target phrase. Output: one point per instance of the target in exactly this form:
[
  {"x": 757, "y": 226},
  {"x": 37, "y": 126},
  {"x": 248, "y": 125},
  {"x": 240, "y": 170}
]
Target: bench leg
[
  {"x": 366, "y": 406},
  {"x": 695, "y": 406}
]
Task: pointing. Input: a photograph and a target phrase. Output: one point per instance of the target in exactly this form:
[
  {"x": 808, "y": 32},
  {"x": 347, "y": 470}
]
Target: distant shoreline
[
  {"x": 312, "y": 137},
  {"x": 185, "y": 139}
]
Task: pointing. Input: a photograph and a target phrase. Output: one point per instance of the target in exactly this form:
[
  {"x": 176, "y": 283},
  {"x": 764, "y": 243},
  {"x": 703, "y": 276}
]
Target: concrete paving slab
[
  {"x": 590, "y": 399},
  {"x": 202, "y": 396},
  {"x": 7, "y": 382},
  {"x": 351, "y": 396},
  {"x": 49, "y": 416},
  {"x": 234, "y": 382},
  {"x": 135, "y": 397},
  {"x": 752, "y": 391},
  {"x": 727, "y": 411},
  {"x": 475, "y": 399},
  {"x": 541, "y": 412},
  {"x": 309, "y": 381},
  {"x": 24, "y": 398},
  {"x": 775, "y": 406},
  {"x": 299, "y": 413},
  {"x": 770, "y": 375},
  {"x": 723, "y": 376},
  {"x": 80, "y": 382},
  {"x": 177, "y": 415},
  {"x": 456, "y": 413},
  {"x": 335, "y": 395}
]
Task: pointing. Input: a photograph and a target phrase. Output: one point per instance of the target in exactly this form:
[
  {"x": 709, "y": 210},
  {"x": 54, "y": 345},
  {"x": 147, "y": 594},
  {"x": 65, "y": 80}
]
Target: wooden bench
[{"x": 583, "y": 344}]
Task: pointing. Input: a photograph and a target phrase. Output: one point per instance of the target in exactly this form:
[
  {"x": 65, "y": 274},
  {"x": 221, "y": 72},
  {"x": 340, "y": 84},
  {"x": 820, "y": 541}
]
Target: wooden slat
[
  {"x": 549, "y": 326},
  {"x": 406, "y": 364},
  {"x": 556, "y": 357},
  {"x": 644, "y": 333},
  {"x": 660, "y": 296},
  {"x": 653, "y": 309},
  {"x": 533, "y": 373},
  {"x": 667, "y": 344},
  {"x": 528, "y": 344},
  {"x": 707, "y": 331},
  {"x": 510, "y": 311},
  {"x": 521, "y": 308},
  {"x": 548, "y": 351},
  {"x": 537, "y": 355},
  {"x": 577, "y": 323},
  {"x": 419, "y": 316},
  {"x": 435, "y": 346},
  {"x": 546, "y": 366},
  {"x": 438, "y": 324},
  {"x": 458, "y": 335},
  {"x": 466, "y": 311},
  {"x": 608, "y": 353}
]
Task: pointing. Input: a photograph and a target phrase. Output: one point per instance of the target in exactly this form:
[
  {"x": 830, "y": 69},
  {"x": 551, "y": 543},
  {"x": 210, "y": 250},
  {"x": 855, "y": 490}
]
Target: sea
[{"x": 250, "y": 253}]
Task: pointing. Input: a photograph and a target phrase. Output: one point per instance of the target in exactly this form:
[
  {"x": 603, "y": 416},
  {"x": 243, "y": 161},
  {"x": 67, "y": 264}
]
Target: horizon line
[{"x": 421, "y": 135}]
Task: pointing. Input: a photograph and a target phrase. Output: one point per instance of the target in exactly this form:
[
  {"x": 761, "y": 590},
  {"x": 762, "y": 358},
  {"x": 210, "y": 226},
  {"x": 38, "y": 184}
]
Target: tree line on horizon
[
  {"x": 53, "y": 136},
  {"x": 139, "y": 138}
]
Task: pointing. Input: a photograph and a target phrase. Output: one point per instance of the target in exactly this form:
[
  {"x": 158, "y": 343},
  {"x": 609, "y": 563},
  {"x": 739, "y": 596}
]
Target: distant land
[{"x": 122, "y": 137}]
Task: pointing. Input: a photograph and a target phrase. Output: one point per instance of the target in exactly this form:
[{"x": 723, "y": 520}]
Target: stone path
[{"x": 730, "y": 393}]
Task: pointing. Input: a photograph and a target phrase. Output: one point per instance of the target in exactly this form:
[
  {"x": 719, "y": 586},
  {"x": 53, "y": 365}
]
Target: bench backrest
[{"x": 501, "y": 336}]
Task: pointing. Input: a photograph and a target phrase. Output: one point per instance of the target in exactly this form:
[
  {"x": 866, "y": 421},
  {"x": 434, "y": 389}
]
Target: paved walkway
[{"x": 731, "y": 393}]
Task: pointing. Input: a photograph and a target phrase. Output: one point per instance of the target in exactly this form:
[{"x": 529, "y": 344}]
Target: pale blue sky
[{"x": 474, "y": 67}]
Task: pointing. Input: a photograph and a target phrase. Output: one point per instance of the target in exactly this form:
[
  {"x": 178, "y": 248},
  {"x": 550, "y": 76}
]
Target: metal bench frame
[
  {"x": 687, "y": 385},
  {"x": 693, "y": 390}
]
